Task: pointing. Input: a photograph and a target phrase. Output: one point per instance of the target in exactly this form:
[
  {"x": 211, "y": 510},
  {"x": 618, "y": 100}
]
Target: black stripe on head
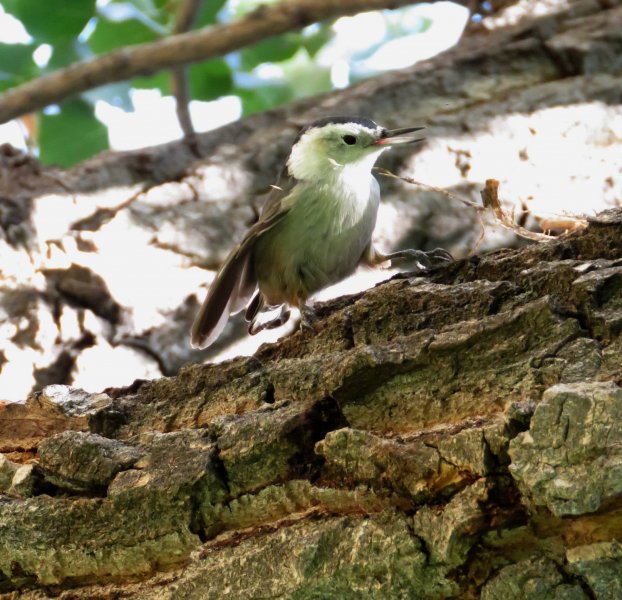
[
  {"x": 330, "y": 120},
  {"x": 365, "y": 122}
]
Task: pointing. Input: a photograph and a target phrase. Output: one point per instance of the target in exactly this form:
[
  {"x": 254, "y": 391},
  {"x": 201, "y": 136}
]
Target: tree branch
[
  {"x": 179, "y": 88},
  {"x": 186, "y": 16},
  {"x": 145, "y": 59}
]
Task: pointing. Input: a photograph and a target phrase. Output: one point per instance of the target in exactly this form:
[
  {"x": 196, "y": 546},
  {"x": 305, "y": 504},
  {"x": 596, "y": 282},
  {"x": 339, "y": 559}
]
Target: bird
[{"x": 314, "y": 230}]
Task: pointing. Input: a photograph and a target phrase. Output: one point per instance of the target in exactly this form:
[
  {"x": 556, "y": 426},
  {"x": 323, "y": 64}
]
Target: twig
[
  {"x": 184, "y": 21},
  {"x": 464, "y": 201},
  {"x": 492, "y": 204},
  {"x": 490, "y": 199},
  {"x": 181, "y": 49},
  {"x": 480, "y": 239},
  {"x": 186, "y": 15},
  {"x": 179, "y": 87}
]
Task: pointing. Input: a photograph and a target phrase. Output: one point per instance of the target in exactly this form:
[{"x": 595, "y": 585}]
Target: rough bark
[
  {"x": 450, "y": 436},
  {"x": 492, "y": 107},
  {"x": 454, "y": 435}
]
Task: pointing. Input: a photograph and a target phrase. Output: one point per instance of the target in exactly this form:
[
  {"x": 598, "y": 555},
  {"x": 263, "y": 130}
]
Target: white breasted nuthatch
[{"x": 315, "y": 227}]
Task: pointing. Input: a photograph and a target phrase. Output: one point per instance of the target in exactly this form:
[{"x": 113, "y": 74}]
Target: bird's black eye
[{"x": 349, "y": 139}]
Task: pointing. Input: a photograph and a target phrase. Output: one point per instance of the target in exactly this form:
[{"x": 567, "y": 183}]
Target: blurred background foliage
[{"x": 272, "y": 72}]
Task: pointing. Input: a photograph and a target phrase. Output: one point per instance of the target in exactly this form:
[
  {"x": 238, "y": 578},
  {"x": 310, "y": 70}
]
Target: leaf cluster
[{"x": 76, "y": 30}]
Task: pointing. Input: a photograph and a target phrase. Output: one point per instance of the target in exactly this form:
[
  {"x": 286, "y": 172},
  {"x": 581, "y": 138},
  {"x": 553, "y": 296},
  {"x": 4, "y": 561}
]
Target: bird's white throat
[{"x": 309, "y": 161}]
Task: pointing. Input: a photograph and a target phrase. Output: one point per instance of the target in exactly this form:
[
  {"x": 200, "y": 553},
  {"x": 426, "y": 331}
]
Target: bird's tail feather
[{"x": 228, "y": 294}]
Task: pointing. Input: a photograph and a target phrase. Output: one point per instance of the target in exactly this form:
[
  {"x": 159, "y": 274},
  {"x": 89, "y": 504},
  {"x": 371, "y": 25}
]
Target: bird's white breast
[{"x": 322, "y": 237}]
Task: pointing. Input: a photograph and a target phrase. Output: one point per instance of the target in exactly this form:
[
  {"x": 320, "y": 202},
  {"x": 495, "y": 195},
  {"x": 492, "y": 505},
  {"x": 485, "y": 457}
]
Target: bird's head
[{"x": 329, "y": 145}]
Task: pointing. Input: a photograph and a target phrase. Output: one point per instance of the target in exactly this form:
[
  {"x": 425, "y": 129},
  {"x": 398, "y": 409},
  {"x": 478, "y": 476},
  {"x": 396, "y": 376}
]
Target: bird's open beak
[{"x": 393, "y": 137}]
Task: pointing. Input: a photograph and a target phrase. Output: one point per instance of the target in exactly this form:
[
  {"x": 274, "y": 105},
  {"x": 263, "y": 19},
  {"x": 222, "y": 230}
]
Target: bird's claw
[
  {"x": 282, "y": 318},
  {"x": 423, "y": 260},
  {"x": 308, "y": 318},
  {"x": 440, "y": 256}
]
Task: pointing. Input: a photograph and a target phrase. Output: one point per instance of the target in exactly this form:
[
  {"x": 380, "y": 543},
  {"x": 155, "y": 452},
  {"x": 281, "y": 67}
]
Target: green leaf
[
  {"x": 16, "y": 64},
  {"x": 117, "y": 94},
  {"x": 316, "y": 41},
  {"x": 64, "y": 52},
  {"x": 160, "y": 81},
  {"x": 251, "y": 102},
  {"x": 275, "y": 49},
  {"x": 9, "y": 6},
  {"x": 304, "y": 76},
  {"x": 72, "y": 135},
  {"x": 144, "y": 12},
  {"x": 262, "y": 98},
  {"x": 51, "y": 20},
  {"x": 161, "y": 11},
  {"x": 110, "y": 35},
  {"x": 145, "y": 6},
  {"x": 210, "y": 79},
  {"x": 208, "y": 11}
]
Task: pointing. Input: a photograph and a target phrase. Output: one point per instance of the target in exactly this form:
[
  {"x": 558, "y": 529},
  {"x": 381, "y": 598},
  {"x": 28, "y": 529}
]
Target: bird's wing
[{"x": 235, "y": 282}]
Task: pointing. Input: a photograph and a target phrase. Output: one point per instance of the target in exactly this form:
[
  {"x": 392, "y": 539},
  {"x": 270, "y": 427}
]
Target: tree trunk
[
  {"x": 441, "y": 437},
  {"x": 454, "y": 435}
]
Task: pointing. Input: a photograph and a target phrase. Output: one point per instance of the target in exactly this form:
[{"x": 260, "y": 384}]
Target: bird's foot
[
  {"x": 423, "y": 260},
  {"x": 308, "y": 318},
  {"x": 254, "y": 328}
]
